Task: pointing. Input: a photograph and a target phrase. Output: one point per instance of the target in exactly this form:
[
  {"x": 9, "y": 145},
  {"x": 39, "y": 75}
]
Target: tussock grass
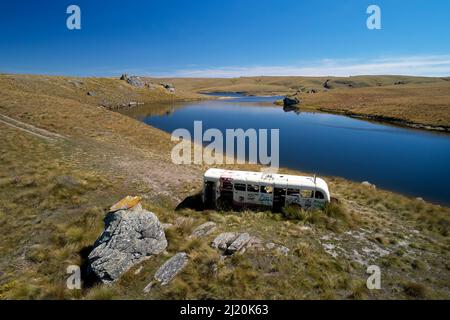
[
  {"x": 54, "y": 196},
  {"x": 333, "y": 216}
]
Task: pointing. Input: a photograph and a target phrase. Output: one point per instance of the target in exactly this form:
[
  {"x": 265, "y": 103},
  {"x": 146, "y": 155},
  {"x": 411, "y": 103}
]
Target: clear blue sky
[{"x": 225, "y": 37}]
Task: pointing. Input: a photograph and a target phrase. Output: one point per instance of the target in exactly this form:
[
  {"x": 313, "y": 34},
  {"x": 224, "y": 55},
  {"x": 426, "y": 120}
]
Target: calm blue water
[{"x": 412, "y": 162}]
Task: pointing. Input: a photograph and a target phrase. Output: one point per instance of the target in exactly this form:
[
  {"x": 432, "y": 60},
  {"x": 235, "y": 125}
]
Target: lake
[{"x": 409, "y": 161}]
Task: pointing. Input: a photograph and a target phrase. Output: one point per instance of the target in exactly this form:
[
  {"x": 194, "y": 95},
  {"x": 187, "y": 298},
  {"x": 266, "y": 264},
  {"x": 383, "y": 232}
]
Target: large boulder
[
  {"x": 131, "y": 236},
  {"x": 136, "y": 82},
  {"x": 133, "y": 81}
]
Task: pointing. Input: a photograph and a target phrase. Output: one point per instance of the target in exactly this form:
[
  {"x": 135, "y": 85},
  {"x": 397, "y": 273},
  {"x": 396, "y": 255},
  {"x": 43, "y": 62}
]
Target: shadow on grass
[
  {"x": 90, "y": 279},
  {"x": 194, "y": 202}
]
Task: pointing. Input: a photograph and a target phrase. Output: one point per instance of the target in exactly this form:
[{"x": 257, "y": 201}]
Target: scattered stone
[
  {"x": 368, "y": 184},
  {"x": 223, "y": 240},
  {"x": 278, "y": 248},
  {"x": 167, "y": 86},
  {"x": 239, "y": 243},
  {"x": 131, "y": 236},
  {"x": 91, "y": 93},
  {"x": 231, "y": 242},
  {"x": 169, "y": 270},
  {"x": 204, "y": 229},
  {"x": 326, "y": 84},
  {"x": 77, "y": 83}
]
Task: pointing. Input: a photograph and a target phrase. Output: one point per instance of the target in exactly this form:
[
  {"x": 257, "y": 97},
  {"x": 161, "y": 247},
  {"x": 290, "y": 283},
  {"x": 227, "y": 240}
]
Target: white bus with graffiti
[{"x": 247, "y": 189}]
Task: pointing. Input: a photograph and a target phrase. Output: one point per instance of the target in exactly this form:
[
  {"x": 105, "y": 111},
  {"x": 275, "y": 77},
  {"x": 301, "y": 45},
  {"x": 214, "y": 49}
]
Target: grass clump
[{"x": 333, "y": 217}]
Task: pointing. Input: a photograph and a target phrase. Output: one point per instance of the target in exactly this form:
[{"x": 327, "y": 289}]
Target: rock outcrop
[
  {"x": 326, "y": 84},
  {"x": 132, "y": 235},
  {"x": 204, "y": 229},
  {"x": 169, "y": 270},
  {"x": 233, "y": 242},
  {"x": 168, "y": 86},
  {"x": 133, "y": 81},
  {"x": 224, "y": 240}
]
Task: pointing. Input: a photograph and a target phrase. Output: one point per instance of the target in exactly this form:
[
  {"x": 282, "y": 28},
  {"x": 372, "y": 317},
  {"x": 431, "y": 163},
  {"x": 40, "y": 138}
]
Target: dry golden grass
[{"x": 54, "y": 195}]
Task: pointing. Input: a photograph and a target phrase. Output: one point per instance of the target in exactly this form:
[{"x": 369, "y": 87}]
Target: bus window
[
  {"x": 293, "y": 192},
  {"x": 266, "y": 189},
  {"x": 253, "y": 188},
  {"x": 239, "y": 187},
  {"x": 319, "y": 195},
  {"x": 306, "y": 194}
]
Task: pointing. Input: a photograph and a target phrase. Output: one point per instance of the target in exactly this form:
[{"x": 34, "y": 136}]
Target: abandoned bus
[{"x": 247, "y": 189}]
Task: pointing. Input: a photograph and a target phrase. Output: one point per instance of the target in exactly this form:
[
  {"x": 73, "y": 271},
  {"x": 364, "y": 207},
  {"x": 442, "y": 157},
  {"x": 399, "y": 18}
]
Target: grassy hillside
[
  {"x": 65, "y": 160},
  {"x": 416, "y": 101},
  {"x": 108, "y": 92}
]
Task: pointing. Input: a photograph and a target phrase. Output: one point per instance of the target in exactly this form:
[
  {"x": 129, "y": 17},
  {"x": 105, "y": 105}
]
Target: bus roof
[{"x": 278, "y": 180}]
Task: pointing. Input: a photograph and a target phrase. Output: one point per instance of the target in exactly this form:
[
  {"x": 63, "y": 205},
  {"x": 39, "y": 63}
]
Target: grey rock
[
  {"x": 77, "y": 83},
  {"x": 91, "y": 93},
  {"x": 169, "y": 270},
  {"x": 204, "y": 229},
  {"x": 223, "y": 240},
  {"x": 167, "y": 85},
  {"x": 255, "y": 243},
  {"x": 239, "y": 243},
  {"x": 133, "y": 81},
  {"x": 130, "y": 237},
  {"x": 368, "y": 184},
  {"x": 231, "y": 243},
  {"x": 136, "y": 82},
  {"x": 326, "y": 84}
]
